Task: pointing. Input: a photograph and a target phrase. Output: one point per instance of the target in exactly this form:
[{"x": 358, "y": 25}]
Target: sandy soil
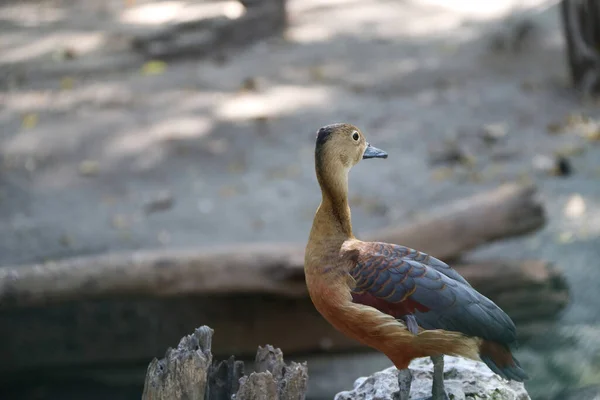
[{"x": 86, "y": 145}]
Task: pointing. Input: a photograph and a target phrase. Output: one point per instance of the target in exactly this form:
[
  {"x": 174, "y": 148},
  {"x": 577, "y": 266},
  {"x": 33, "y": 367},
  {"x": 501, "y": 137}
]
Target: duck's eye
[{"x": 355, "y": 135}]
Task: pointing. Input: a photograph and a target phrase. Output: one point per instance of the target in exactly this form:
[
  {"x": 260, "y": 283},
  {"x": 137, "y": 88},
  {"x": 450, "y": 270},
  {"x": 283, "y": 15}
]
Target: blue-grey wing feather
[
  {"x": 431, "y": 262},
  {"x": 390, "y": 272}
]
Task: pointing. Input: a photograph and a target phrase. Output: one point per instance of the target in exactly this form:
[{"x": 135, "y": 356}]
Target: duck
[{"x": 397, "y": 300}]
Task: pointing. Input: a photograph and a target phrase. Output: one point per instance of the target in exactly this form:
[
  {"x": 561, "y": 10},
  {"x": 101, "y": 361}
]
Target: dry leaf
[
  {"x": 593, "y": 135},
  {"x": 154, "y": 67},
  {"x": 571, "y": 150},
  {"x": 67, "y": 83},
  {"x": 261, "y": 118},
  {"x": 584, "y": 231},
  {"x": 448, "y": 48},
  {"x": 442, "y": 174},
  {"x": 30, "y": 121},
  {"x": 566, "y": 237},
  {"x": 468, "y": 161},
  {"x": 89, "y": 168},
  {"x": 555, "y": 128},
  {"x": 316, "y": 73},
  {"x": 524, "y": 178},
  {"x": 120, "y": 222},
  {"x": 249, "y": 84},
  {"x": 575, "y": 118}
]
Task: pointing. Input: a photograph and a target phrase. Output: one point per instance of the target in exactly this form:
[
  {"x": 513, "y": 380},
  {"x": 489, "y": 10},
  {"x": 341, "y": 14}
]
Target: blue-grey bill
[{"x": 373, "y": 152}]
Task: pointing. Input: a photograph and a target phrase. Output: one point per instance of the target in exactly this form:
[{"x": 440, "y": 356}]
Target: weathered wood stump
[
  {"x": 188, "y": 372},
  {"x": 581, "y": 27},
  {"x": 183, "y": 373}
]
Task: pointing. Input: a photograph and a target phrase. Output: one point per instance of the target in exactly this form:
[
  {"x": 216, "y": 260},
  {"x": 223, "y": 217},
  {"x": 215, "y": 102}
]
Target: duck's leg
[
  {"x": 404, "y": 382},
  {"x": 437, "y": 387},
  {"x": 411, "y": 324}
]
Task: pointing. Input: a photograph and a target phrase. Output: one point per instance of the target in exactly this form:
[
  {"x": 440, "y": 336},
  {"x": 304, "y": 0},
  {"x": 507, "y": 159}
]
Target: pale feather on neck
[{"x": 334, "y": 209}]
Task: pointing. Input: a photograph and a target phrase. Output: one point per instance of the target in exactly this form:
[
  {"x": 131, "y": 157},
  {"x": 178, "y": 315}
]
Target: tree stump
[
  {"x": 188, "y": 372},
  {"x": 183, "y": 373}
]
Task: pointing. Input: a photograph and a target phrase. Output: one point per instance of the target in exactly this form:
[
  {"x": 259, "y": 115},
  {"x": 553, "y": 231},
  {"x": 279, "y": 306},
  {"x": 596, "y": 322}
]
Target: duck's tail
[{"x": 499, "y": 359}]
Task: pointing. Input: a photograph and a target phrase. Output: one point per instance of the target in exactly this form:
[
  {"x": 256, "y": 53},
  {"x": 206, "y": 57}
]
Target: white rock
[{"x": 464, "y": 379}]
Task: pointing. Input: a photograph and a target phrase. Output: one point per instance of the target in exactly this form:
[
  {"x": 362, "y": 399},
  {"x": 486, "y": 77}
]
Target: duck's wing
[
  {"x": 423, "y": 258},
  {"x": 401, "y": 281}
]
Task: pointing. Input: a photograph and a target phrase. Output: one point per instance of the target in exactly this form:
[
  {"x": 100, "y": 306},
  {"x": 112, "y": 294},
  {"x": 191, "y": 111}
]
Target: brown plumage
[{"x": 366, "y": 289}]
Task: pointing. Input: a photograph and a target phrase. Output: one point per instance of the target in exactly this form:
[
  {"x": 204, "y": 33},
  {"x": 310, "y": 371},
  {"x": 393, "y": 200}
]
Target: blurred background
[{"x": 137, "y": 135}]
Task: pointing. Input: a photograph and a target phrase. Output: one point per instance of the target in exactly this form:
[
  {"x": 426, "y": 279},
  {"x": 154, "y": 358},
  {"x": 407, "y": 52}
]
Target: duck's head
[{"x": 343, "y": 146}]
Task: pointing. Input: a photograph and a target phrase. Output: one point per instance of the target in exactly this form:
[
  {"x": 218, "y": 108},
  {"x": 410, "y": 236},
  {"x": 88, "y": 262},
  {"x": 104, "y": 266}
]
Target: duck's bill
[{"x": 373, "y": 152}]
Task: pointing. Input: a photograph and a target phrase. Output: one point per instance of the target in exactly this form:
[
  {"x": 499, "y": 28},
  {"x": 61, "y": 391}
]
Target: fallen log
[
  {"x": 508, "y": 211},
  {"x": 213, "y": 28},
  {"x": 127, "y": 330},
  {"x": 507, "y": 277},
  {"x": 188, "y": 372},
  {"x": 528, "y": 291}
]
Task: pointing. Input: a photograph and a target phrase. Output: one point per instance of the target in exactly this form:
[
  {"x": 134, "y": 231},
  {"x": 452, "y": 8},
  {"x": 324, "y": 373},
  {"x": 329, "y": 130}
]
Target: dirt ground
[{"x": 222, "y": 149}]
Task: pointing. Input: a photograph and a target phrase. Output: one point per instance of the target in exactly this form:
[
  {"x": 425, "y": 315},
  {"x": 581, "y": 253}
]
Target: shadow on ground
[{"x": 230, "y": 141}]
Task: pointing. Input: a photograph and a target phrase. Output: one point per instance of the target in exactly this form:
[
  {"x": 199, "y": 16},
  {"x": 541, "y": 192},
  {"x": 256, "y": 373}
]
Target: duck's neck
[{"x": 332, "y": 219}]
